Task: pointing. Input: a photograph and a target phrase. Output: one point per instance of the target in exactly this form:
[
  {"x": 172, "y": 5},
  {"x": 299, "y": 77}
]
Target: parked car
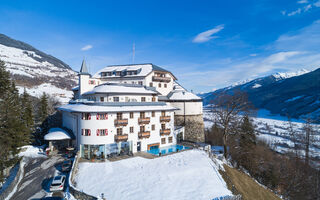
[
  {"x": 66, "y": 166},
  {"x": 58, "y": 183}
]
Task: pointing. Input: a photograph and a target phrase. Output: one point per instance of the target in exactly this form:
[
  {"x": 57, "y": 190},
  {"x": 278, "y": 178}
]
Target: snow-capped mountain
[
  {"x": 295, "y": 94},
  {"x": 37, "y": 71},
  {"x": 281, "y": 76}
]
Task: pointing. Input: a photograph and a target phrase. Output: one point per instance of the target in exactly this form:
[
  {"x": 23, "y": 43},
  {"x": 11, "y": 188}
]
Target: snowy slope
[
  {"x": 35, "y": 70},
  {"x": 273, "y": 129},
  {"x": 184, "y": 175}
]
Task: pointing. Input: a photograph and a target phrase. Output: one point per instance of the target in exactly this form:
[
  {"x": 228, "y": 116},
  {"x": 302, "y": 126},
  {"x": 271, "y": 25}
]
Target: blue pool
[{"x": 167, "y": 150}]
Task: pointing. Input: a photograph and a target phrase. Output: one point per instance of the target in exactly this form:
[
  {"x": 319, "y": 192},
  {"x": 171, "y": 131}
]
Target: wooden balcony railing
[
  {"x": 145, "y": 120},
  {"x": 145, "y": 134},
  {"x": 121, "y": 122},
  {"x": 165, "y": 118},
  {"x": 121, "y": 138},
  {"x": 165, "y": 132},
  {"x": 161, "y": 79}
]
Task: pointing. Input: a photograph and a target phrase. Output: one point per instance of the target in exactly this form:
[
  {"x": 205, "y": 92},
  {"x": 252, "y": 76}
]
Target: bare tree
[
  {"x": 308, "y": 138},
  {"x": 228, "y": 110}
]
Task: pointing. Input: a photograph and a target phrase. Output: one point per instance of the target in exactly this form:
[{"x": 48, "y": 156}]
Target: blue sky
[{"x": 206, "y": 44}]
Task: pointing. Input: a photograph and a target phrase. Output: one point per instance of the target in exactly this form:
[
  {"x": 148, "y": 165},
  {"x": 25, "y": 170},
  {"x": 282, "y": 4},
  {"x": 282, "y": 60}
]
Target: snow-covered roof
[
  {"x": 116, "y": 108},
  {"x": 57, "y": 134},
  {"x": 75, "y": 88},
  {"x": 179, "y": 93},
  {"x": 120, "y": 88},
  {"x": 141, "y": 69}
]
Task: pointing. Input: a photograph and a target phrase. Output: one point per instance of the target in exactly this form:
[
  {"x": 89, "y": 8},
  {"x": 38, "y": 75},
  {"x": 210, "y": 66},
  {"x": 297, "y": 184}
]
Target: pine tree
[
  {"x": 43, "y": 110},
  {"x": 12, "y": 125},
  {"x": 27, "y": 115}
]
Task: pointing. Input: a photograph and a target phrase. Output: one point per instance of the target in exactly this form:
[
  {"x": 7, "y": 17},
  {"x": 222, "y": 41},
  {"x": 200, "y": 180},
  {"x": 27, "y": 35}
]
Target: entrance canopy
[{"x": 58, "y": 134}]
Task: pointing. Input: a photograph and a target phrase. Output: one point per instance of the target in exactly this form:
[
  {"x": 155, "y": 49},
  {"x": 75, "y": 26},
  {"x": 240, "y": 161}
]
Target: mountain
[
  {"x": 37, "y": 71},
  {"x": 289, "y": 94}
]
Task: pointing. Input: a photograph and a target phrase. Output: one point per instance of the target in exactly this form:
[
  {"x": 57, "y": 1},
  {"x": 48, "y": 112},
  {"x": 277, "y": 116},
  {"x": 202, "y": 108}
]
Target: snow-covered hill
[
  {"x": 296, "y": 94},
  {"x": 37, "y": 71}
]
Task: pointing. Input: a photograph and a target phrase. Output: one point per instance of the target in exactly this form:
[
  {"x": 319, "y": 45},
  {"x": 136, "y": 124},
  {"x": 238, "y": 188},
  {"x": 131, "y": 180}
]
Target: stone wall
[{"x": 194, "y": 127}]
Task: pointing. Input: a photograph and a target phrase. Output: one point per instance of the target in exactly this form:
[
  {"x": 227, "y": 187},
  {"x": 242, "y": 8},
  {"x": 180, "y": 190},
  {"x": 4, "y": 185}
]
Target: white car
[{"x": 58, "y": 183}]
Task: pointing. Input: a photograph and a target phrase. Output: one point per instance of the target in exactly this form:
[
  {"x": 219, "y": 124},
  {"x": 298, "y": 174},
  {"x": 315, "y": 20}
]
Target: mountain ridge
[
  {"x": 279, "y": 93},
  {"x": 37, "y": 71}
]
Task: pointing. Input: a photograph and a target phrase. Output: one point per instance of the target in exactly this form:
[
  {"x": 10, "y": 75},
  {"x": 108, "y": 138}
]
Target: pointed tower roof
[{"x": 84, "y": 69}]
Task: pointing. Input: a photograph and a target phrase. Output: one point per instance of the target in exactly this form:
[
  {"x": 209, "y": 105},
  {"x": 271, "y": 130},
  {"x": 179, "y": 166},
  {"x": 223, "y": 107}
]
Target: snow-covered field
[
  {"x": 62, "y": 95},
  {"x": 274, "y": 130},
  {"x": 185, "y": 175}
]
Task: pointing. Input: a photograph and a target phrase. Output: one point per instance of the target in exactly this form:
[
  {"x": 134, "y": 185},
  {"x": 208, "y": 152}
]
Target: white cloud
[
  {"x": 298, "y": 11},
  {"x": 290, "y": 52},
  {"x": 208, "y": 35},
  {"x": 86, "y": 48},
  {"x": 302, "y": 9},
  {"x": 317, "y": 4},
  {"x": 302, "y": 1},
  {"x": 253, "y": 54}
]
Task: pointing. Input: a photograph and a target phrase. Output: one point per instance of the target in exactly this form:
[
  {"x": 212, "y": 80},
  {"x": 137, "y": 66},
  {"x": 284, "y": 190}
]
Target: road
[{"x": 37, "y": 178}]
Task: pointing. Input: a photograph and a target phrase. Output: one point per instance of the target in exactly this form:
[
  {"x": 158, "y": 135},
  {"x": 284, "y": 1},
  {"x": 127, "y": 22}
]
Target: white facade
[{"x": 131, "y": 116}]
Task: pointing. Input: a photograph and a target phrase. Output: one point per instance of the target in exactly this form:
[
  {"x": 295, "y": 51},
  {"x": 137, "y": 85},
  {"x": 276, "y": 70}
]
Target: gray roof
[{"x": 84, "y": 69}]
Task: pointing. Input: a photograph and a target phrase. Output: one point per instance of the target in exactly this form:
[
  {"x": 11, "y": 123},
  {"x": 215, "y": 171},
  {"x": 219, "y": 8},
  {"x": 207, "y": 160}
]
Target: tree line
[
  {"x": 290, "y": 174},
  {"x": 23, "y": 120}
]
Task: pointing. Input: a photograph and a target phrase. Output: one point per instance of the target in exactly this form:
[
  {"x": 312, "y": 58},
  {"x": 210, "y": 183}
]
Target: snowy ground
[
  {"x": 32, "y": 151},
  {"x": 185, "y": 175},
  {"x": 274, "y": 130}
]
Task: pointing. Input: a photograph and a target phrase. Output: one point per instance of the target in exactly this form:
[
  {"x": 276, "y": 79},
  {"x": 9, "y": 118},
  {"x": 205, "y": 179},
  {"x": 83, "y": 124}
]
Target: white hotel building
[{"x": 125, "y": 109}]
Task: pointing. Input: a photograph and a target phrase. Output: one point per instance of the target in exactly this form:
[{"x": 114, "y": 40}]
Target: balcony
[
  {"x": 121, "y": 138},
  {"x": 120, "y": 122},
  {"x": 165, "y": 118},
  {"x": 164, "y": 132},
  {"x": 161, "y": 79},
  {"x": 145, "y": 120},
  {"x": 145, "y": 134}
]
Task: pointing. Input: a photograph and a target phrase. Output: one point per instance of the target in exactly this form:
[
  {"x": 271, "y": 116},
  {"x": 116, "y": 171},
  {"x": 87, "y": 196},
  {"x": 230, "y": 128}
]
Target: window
[
  {"x": 102, "y": 99},
  {"x": 163, "y": 113},
  {"x": 142, "y": 114},
  {"x": 165, "y": 85},
  {"x": 170, "y": 139},
  {"x": 129, "y": 73},
  {"x": 85, "y": 132},
  {"x": 151, "y": 84},
  {"x": 153, "y": 127},
  {"x": 153, "y": 114},
  {"x": 119, "y": 115},
  {"x": 102, "y": 116},
  {"x": 140, "y": 83},
  {"x": 86, "y": 116},
  {"x": 131, "y": 115},
  {"x": 163, "y": 126},
  {"x": 159, "y": 85},
  {"x": 163, "y": 140},
  {"x": 142, "y": 128},
  {"x": 116, "y": 99},
  {"x": 102, "y": 132},
  {"x": 131, "y": 129},
  {"x": 119, "y": 131},
  {"x": 153, "y": 99},
  {"x": 143, "y": 99},
  {"x": 118, "y": 73}
]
